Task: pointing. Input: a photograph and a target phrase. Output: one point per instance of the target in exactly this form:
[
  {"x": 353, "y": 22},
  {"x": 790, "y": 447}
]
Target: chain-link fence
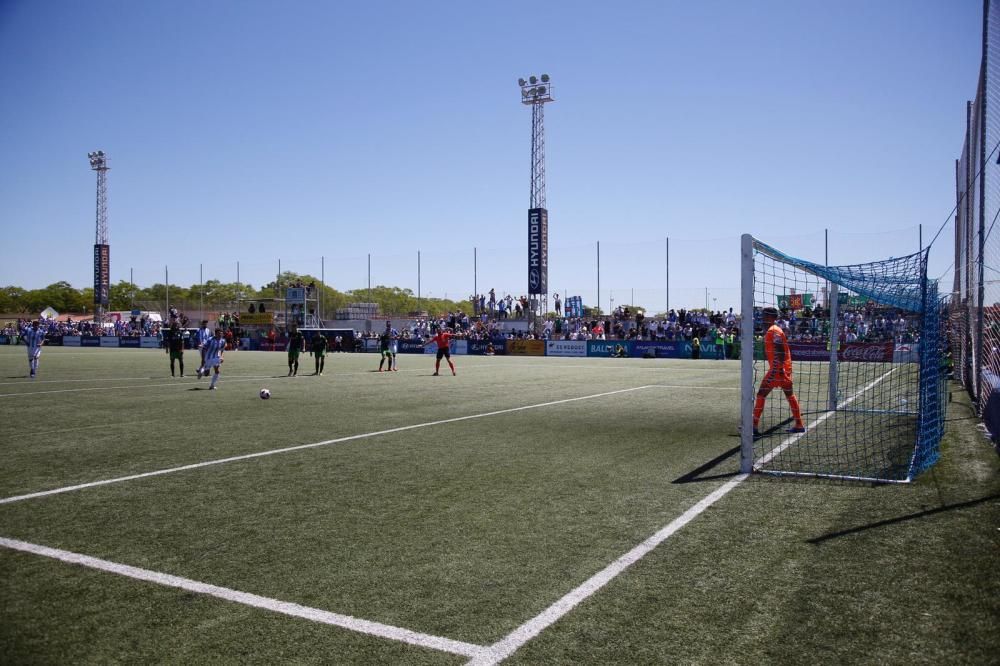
[{"x": 975, "y": 311}]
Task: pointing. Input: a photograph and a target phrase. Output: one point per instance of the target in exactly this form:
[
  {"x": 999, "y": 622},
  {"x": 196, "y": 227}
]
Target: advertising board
[{"x": 566, "y": 348}]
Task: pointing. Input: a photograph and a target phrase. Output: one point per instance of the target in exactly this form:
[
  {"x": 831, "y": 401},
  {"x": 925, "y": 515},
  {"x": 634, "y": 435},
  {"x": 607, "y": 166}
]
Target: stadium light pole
[
  {"x": 536, "y": 92},
  {"x": 102, "y": 248}
]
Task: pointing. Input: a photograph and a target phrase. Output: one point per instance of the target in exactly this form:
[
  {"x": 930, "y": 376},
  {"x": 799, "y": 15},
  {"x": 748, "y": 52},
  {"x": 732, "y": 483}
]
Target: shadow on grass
[
  {"x": 912, "y": 516},
  {"x": 695, "y": 475}
]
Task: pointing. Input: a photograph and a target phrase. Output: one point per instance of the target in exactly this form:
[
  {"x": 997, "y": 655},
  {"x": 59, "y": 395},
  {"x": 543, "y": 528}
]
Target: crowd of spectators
[
  {"x": 123, "y": 328},
  {"x": 856, "y": 324}
]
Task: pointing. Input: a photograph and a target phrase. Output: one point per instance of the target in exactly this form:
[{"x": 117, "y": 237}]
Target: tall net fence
[
  {"x": 846, "y": 377},
  {"x": 974, "y": 312}
]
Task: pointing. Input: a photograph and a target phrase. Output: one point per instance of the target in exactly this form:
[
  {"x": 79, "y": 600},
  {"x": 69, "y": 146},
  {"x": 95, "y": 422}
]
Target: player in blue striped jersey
[
  {"x": 213, "y": 350},
  {"x": 34, "y": 338},
  {"x": 202, "y": 337}
]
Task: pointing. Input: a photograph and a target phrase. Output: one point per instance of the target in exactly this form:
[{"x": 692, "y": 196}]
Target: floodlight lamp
[
  {"x": 521, "y": 82},
  {"x": 545, "y": 78},
  {"x": 541, "y": 90},
  {"x": 533, "y": 80}
]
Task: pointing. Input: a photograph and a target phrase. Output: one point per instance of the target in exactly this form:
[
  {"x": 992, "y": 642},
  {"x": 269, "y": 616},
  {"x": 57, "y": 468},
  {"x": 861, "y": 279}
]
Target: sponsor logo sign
[
  {"x": 538, "y": 251},
  {"x": 660, "y": 349},
  {"x": 90, "y": 341},
  {"x": 371, "y": 345},
  {"x": 866, "y": 352},
  {"x": 4, "y": 340},
  {"x": 149, "y": 342},
  {"x": 566, "y": 348},
  {"x": 54, "y": 340},
  {"x": 526, "y": 347},
  {"x": 606, "y": 347},
  {"x": 71, "y": 341},
  {"x": 481, "y": 346},
  {"x": 460, "y": 347},
  {"x": 102, "y": 274},
  {"x": 850, "y": 352},
  {"x": 809, "y": 351},
  {"x": 131, "y": 343},
  {"x": 109, "y": 341},
  {"x": 411, "y": 347}
]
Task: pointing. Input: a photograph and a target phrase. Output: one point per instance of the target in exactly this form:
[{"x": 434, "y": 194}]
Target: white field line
[
  {"x": 301, "y": 447},
  {"x": 247, "y": 599},
  {"x": 222, "y": 382},
  {"x": 66, "y": 381},
  {"x": 508, "y": 645}
]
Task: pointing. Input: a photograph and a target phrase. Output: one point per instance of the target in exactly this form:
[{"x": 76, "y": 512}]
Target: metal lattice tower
[
  {"x": 536, "y": 92},
  {"x": 102, "y": 250},
  {"x": 537, "y": 156},
  {"x": 99, "y": 163}
]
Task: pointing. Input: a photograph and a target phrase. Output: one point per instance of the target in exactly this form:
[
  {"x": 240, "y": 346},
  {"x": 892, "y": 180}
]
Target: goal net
[{"x": 861, "y": 397}]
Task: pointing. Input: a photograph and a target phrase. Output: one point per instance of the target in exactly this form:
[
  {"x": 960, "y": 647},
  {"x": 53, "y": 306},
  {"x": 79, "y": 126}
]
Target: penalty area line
[
  {"x": 302, "y": 447},
  {"x": 248, "y": 599}
]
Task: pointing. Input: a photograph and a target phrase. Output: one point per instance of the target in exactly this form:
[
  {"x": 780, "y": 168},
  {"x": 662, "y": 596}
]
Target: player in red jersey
[
  {"x": 443, "y": 340},
  {"x": 779, "y": 371}
]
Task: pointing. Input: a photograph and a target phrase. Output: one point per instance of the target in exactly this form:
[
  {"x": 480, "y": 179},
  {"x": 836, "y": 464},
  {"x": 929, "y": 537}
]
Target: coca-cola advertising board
[{"x": 850, "y": 352}]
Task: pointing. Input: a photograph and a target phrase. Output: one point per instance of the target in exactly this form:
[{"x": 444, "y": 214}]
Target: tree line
[{"x": 216, "y": 296}]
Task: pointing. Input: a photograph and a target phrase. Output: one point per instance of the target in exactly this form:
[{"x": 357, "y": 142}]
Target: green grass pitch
[{"x": 492, "y": 495}]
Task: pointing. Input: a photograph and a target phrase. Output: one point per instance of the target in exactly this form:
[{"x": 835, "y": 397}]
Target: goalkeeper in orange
[{"x": 779, "y": 371}]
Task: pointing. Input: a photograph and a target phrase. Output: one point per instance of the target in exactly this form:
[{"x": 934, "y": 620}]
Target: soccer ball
[{"x": 264, "y": 394}]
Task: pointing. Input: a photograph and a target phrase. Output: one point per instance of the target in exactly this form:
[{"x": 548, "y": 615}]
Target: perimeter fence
[{"x": 975, "y": 305}]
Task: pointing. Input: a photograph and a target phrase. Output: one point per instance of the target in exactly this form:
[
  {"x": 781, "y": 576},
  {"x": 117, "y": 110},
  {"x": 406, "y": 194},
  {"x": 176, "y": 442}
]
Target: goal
[{"x": 866, "y": 373}]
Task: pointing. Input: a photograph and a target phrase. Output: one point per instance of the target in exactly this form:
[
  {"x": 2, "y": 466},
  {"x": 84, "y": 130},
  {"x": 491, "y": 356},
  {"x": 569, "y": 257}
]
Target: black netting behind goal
[{"x": 865, "y": 374}]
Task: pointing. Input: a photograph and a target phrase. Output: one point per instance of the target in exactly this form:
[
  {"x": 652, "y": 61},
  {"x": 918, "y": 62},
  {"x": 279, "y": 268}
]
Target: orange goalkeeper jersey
[{"x": 776, "y": 336}]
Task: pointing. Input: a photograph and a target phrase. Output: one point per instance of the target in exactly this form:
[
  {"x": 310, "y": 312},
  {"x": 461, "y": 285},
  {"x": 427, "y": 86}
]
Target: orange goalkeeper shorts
[{"x": 775, "y": 379}]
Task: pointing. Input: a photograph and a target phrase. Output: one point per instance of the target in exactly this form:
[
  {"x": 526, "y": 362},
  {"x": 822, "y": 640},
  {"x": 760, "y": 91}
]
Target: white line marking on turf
[
  {"x": 237, "y": 379},
  {"x": 508, "y": 645},
  {"x": 26, "y": 382},
  {"x": 301, "y": 447},
  {"x": 247, "y": 599},
  {"x": 513, "y": 641}
]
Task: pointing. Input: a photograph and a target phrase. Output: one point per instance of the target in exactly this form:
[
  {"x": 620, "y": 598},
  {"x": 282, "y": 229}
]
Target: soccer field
[{"x": 528, "y": 510}]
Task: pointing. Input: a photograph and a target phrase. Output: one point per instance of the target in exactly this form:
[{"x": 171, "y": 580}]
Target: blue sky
[{"x": 259, "y": 131}]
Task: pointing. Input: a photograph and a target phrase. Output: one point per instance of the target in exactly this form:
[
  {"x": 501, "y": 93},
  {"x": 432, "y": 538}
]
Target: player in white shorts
[
  {"x": 34, "y": 338},
  {"x": 213, "y": 350}
]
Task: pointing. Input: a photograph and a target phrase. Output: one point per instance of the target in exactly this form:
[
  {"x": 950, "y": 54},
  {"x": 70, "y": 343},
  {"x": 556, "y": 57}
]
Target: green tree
[{"x": 12, "y": 299}]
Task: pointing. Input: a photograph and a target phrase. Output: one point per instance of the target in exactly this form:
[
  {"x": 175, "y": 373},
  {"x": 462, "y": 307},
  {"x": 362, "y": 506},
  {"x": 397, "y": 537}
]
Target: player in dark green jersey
[
  {"x": 319, "y": 352},
  {"x": 296, "y": 343},
  {"x": 175, "y": 347},
  {"x": 384, "y": 342}
]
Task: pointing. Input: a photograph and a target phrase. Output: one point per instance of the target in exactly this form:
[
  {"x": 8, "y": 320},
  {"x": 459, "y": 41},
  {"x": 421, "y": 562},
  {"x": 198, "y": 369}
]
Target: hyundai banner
[
  {"x": 102, "y": 274},
  {"x": 538, "y": 251}
]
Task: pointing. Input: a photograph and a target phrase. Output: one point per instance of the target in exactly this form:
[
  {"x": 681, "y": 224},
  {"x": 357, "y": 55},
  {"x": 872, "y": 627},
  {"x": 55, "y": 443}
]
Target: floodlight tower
[
  {"x": 536, "y": 92},
  {"x": 102, "y": 249}
]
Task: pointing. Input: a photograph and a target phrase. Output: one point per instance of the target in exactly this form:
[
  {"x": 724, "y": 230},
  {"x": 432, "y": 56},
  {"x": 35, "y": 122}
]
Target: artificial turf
[{"x": 466, "y": 529}]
